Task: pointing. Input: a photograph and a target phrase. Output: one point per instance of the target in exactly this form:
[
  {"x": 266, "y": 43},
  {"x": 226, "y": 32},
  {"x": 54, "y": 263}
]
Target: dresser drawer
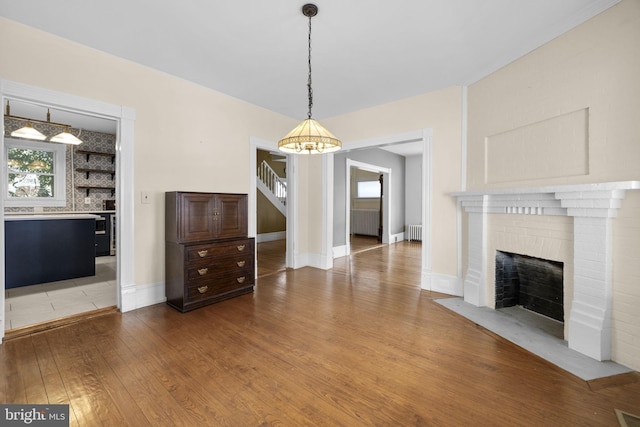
[
  {"x": 199, "y": 273},
  {"x": 208, "y": 251},
  {"x": 215, "y": 288},
  {"x": 225, "y": 267}
]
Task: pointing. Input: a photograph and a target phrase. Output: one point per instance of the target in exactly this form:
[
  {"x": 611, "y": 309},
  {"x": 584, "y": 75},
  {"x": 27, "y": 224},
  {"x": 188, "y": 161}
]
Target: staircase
[{"x": 273, "y": 187}]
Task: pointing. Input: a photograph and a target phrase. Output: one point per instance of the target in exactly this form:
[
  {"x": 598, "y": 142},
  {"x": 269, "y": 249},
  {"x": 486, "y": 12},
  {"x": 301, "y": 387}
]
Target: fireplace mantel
[
  {"x": 592, "y": 206},
  {"x": 589, "y": 200}
]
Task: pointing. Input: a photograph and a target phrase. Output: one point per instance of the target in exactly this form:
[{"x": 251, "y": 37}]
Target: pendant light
[
  {"x": 309, "y": 137},
  {"x": 29, "y": 132},
  {"x": 66, "y": 137}
]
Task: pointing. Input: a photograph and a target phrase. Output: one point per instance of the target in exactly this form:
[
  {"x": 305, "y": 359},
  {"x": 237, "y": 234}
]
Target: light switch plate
[{"x": 145, "y": 197}]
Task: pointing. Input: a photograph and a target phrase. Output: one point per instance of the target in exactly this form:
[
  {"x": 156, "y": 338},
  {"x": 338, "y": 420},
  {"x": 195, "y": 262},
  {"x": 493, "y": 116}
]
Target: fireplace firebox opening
[{"x": 535, "y": 284}]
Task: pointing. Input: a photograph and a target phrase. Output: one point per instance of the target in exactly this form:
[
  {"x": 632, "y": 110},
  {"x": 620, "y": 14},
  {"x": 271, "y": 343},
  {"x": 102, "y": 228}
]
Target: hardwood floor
[
  {"x": 357, "y": 345},
  {"x": 271, "y": 257}
]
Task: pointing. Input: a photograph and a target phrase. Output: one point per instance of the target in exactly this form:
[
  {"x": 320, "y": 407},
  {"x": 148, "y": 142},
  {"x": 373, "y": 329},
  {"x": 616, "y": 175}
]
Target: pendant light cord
[{"x": 310, "y": 90}]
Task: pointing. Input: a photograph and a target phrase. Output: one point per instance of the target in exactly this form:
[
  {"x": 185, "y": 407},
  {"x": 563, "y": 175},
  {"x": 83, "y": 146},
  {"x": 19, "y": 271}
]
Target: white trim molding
[
  {"x": 592, "y": 207},
  {"x": 426, "y": 273}
]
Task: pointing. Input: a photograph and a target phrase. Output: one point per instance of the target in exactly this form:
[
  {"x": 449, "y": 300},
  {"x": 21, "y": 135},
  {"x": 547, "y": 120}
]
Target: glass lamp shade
[
  {"x": 66, "y": 138},
  {"x": 309, "y": 137},
  {"x": 28, "y": 132}
]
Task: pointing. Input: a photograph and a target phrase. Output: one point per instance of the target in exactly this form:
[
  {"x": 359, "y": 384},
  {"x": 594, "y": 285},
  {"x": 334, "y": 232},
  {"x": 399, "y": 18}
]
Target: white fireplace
[{"x": 591, "y": 208}]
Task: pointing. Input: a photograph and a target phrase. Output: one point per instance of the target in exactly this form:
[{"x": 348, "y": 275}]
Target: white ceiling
[{"x": 364, "y": 52}]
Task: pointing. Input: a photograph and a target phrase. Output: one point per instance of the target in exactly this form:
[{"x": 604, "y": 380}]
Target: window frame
[
  {"x": 358, "y": 196},
  {"x": 59, "y": 174}
]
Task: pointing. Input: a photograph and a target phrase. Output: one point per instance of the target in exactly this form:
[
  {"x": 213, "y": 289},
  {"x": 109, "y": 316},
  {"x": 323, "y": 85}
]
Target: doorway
[
  {"x": 271, "y": 212},
  {"x": 368, "y": 198},
  {"x": 288, "y": 166},
  {"x": 415, "y": 145},
  {"x": 86, "y": 186},
  {"x": 366, "y": 207},
  {"x": 123, "y": 117}
]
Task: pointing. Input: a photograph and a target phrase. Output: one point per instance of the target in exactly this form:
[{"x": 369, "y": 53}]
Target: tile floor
[{"x": 33, "y": 304}]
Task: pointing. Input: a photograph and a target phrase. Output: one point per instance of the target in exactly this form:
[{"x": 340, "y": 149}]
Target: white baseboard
[
  {"x": 270, "y": 237},
  {"x": 134, "y": 297},
  {"x": 395, "y": 238},
  {"x": 443, "y": 283},
  {"x": 340, "y": 251}
]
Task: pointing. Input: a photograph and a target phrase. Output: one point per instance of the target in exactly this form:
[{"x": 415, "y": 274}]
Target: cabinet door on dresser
[
  {"x": 192, "y": 217},
  {"x": 197, "y": 222},
  {"x": 230, "y": 215}
]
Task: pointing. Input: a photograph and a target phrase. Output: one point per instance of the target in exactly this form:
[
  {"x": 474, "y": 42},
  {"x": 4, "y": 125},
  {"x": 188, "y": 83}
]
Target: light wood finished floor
[
  {"x": 271, "y": 257},
  {"x": 360, "y": 345}
]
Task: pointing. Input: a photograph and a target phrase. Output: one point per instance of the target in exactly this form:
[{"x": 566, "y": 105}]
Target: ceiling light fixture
[
  {"x": 66, "y": 137},
  {"x": 309, "y": 137},
  {"x": 29, "y": 132}
]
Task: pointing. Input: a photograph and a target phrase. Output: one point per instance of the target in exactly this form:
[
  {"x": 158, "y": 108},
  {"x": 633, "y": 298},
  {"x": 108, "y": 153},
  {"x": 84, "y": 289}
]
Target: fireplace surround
[{"x": 591, "y": 208}]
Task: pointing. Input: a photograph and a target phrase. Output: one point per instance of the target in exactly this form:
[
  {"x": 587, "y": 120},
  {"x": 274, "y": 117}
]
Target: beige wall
[
  {"x": 585, "y": 81},
  {"x": 626, "y": 283},
  {"x": 594, "y": 67},
  {"x": 440, "y": 111},
  {"x": 186, "y": 137}
]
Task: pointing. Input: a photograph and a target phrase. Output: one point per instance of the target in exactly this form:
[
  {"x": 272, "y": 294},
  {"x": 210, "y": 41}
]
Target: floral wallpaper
[{"x": 92, "y": 141}]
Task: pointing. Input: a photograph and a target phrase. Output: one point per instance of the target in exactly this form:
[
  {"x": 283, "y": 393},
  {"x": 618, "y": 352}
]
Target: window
[
  {"x": 368, "y": 189},
  {"x": 35, "y": 173}
]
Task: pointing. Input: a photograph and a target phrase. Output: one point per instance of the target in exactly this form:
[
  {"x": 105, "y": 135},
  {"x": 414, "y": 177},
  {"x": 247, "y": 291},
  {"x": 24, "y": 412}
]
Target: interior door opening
[
  {"x": 271, "y": 211},
  {"x": 90, "y": 189}
]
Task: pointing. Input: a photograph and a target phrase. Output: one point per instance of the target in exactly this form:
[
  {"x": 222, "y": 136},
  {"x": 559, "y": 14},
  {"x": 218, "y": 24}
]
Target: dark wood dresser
[{"x": 209, "y": 257}]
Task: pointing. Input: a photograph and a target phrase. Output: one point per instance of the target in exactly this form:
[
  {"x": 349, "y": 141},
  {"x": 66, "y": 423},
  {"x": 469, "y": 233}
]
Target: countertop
[{"x": 50, "y": 216}]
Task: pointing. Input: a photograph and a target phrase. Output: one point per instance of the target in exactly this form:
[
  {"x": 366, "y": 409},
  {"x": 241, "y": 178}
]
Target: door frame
[
  {"x": 125, "y": 118},
  {"x": 425, "y": 136},
  {"x": 386, "y": 201}
]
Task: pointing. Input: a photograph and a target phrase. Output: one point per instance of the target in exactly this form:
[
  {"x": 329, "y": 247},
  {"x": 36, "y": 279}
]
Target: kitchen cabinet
[
  {"x": 103, "y": 234},
  {"x": 41, "y": 249},
  {"x": 208, "y": 256}
]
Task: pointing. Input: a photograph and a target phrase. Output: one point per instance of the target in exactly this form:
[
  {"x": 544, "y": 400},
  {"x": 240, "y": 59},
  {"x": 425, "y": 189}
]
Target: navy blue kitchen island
[{"x": 48, "y": 248}]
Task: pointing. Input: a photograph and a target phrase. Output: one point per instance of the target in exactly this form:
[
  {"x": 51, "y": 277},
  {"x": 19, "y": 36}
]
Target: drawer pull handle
[
  {"x": 203, "y": 253},
  {"x": 203, "y": 289},
  {"x": 241, "y": 263},
  {"x": 202, "y": 271},
  {"x": 241, "y": 247},
  {"x": 241, "y": 279}
]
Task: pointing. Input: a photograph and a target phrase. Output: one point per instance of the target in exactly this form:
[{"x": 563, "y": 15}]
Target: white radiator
[
  {"x": 414, "y": 232},
  {"x": 365, "y": 221}
]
